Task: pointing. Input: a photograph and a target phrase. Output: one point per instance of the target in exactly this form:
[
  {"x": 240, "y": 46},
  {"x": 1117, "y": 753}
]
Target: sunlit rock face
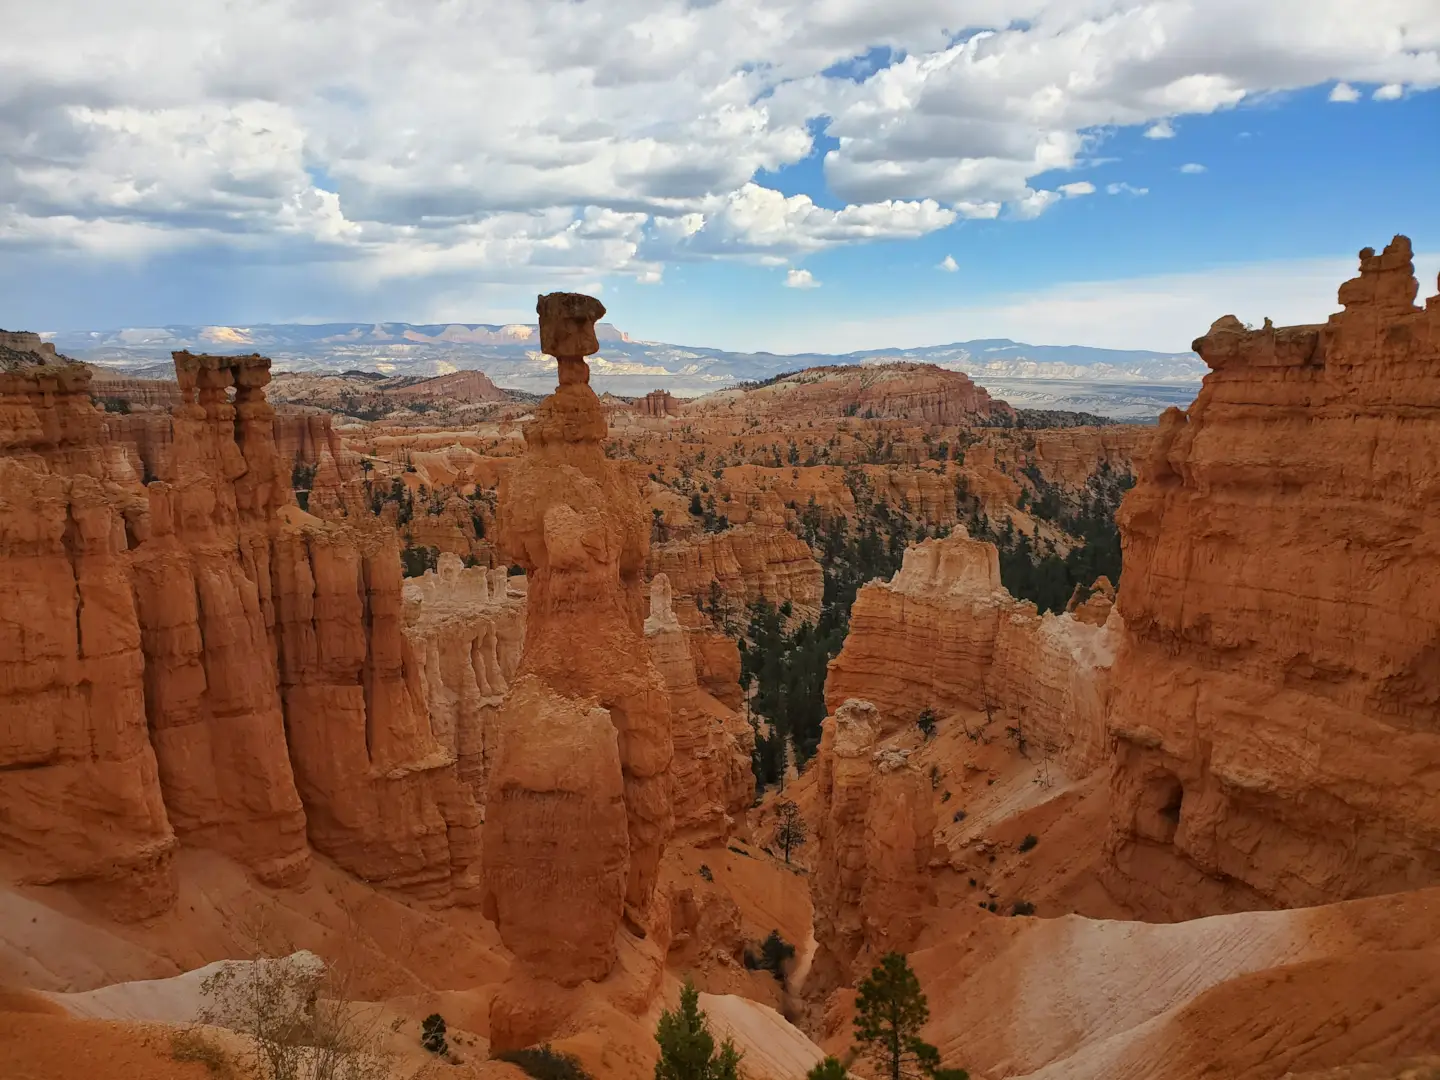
[{"x": 1278, "y": 693}]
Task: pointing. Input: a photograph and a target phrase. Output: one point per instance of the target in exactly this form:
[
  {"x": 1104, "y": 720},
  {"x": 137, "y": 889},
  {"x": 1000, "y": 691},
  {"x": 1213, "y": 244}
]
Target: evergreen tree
[
  {"x": 890, "y": 1010},
  {"x": 829, "y": 1069},
  {"x": 790, "y": 830},
  {"x": 687, "y": 1049}
]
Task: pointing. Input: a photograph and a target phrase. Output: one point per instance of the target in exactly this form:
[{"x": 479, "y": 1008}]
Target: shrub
[
  {"x": 829, "y": 1069},
  {"x": 190, "y": 1045},
  {"x": 926, "y": 723},
  {"x": 706, "y": 872},
  {"x": 991, "y": 906},
  {"x": 959, "y": 816},
  {"x": 1029, "y": 842},
  {"x": 432, "y": 1034},
  {"x": 545, "y": 1063},
  {"x": 1022, "y": 907},
  {"x": 774, "y": 951}
]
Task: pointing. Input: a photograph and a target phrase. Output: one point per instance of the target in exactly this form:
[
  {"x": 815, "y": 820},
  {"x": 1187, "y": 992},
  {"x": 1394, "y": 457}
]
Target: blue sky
[{"x": 167, "y": 162}]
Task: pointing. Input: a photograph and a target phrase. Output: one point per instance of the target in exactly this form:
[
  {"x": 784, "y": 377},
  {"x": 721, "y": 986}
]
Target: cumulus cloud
[
  {"x": 594, "y": 139},
  {"x": 1344, "y": 92},
  {"x": 1192, "y": 168},
  {"x": 1080, "y": 187},
  {"x": 1122, "y": 188},
  {"x": 948, "y": 264},
  {"x": 800, "y": 279}
]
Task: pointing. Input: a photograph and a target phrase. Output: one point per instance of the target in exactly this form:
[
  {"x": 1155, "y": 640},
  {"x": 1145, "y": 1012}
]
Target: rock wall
[
  {"x": 943, "y": 634},
  {"x": 80, "y": 792},
  {"x": 465, "y": 629},
  {"x": 713, "y": 782},
  {"x": 198, "y": 656},
  {"x": 877, "y": 821},
  {"x": 1279, "y": 688},
  {"x": 203, "y": 587},
  {"x": 750, "y": 562}
]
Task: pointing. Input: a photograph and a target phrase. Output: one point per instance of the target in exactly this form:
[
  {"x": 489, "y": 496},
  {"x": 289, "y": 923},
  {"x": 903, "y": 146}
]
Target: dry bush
[
  {"x": 189, "y": 1044},
  {"x": 297, "y": 1012}
]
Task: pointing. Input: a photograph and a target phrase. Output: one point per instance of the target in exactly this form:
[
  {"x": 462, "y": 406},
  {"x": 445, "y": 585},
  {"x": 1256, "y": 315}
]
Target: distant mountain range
[{"x": 1123, "y": 383}]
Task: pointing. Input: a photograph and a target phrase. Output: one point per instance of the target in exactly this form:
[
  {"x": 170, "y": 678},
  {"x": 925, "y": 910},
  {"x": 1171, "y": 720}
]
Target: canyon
[{"x": 479, "y": 711}]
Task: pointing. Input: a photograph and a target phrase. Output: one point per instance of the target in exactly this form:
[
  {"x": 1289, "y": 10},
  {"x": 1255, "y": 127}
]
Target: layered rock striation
[
  {"x": 713, "y": 781},
  {"x": 877, "y": 822},
  {"x": 746, "y": 564},
  {"x": 197, "y": 656},
  {"x": 1278, "y": 694},
  {"x": 80, "y": 796},
  {"x": 943, "y": 634}
]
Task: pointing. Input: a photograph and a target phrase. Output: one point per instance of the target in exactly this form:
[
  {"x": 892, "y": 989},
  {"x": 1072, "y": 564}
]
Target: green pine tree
[
  {"x": 687, "y": 1049},
  {"x": 829, "y": 1069},
  {"x": 890, "y": 1010}
]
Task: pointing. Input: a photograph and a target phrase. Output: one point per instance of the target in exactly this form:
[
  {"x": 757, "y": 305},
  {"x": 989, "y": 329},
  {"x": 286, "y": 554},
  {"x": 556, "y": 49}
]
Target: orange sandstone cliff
[
  {"x": 944, "y": 635},
  {"x": 196, "y": 656},
  {"x": 1277, "y": 701}
]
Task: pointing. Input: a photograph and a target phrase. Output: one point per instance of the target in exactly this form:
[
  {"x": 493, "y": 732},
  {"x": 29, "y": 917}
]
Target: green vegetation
[
  {"x": 790, "y": 830},
  {"x": 1030, "y": 568},
  {"x": 890, "y": 1010},
  {"x": 1022, "y": 907},
  {"x": 687, "y": 1049},
  {"x": 115, "y": 404},
  {"x": 926, "y": 723},
  {"x": 432, "y": 1034},
  {"x": 829, "y": 1069},
  {"x": 772, "y": 956},
  {"x": 414, "y": 561},
  {"x": 1029, "y": 842},
  {"x": 544, "y": 1063}
]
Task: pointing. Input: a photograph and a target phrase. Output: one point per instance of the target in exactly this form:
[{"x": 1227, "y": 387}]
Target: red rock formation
[
  {"x": 381, "y": 790},
  {"x": 556, "y": 848},
  {"x": 198, "y": 654},
  {"x": 1277, "y": 698},
  {"x": 145, "y": 393},
  {"x": 750, "y": 562},
  {"x": 901, "y": 391},
  {"x": 574, "y": 521},
  {"x": 872, "y": 880},
  {"x": 713, "y": 781},
  {"x": 658, "y": 403},
  {"x": 465, "y": 630},
  {"x": 943, "y": 634},
  {"x": 80, "y": 795}
]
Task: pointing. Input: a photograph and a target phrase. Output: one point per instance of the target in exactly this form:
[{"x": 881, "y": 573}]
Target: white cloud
[
  {"x": 800, "y": 279},
  {"x": 948, "y": 264},
  {"x": 1080, "y": 187},
  {"x": 1034, "y": 203},
  {"x": 605, "y": 139},
  {"x": 1123, "y": 188},
  {"x": 1192, "y": 168},
  {"x": 1344, "y": 92}
]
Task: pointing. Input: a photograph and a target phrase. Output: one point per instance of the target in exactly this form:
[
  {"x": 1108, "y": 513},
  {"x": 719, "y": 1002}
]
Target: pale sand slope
[
  {"x": 773, "y": 1048},
  {"x": 1254, "y": 994}
]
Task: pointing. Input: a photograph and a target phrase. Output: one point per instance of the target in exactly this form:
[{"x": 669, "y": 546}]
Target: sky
[{"x": 785, "y": 175}]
